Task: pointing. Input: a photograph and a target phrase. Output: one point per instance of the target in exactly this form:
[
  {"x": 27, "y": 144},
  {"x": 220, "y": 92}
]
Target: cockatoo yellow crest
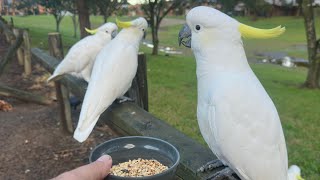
[
  {"x": 251, "y": 32},
  {"x": 123, "y": 24},
  {"x": 93, "y": 31}
]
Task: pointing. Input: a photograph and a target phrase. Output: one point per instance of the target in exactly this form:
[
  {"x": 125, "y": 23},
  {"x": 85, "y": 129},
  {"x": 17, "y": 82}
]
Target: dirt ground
[{"x": 32, "y": 145}]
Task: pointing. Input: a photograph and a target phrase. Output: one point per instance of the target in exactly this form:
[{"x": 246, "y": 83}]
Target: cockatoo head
[
  {"x": 294, "y": 173},
  {"x": 106, "y": 29},
  {"x": 207, "y": 25},
  {"x": 137, "y": 26}
]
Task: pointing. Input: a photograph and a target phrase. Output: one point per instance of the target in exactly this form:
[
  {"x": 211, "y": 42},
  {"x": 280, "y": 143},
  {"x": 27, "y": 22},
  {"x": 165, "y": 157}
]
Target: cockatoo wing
[
  {"x": 244, "y": 136},
  {"x": 78, "y": 57},
  {"x": 112, "y": 75}
]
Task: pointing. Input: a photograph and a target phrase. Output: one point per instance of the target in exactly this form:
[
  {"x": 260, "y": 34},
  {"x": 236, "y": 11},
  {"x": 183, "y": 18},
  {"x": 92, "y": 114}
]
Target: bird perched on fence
[
  {"x": 112, "y": 74},
  {"x": 237, "y": 118},
  {"x": 80, "y": 59}
]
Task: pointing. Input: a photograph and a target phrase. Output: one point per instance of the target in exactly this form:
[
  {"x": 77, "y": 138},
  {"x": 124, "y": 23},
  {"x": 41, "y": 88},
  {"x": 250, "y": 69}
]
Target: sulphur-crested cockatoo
[
  {"x": 236, "y": 116},
  {"x": 112, "y": 74},
  {"x": 80, "y": 58},
  {"x": 294, "y": 173}
]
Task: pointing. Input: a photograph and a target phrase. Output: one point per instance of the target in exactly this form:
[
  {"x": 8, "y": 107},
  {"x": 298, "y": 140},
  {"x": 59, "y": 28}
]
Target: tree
[
  {"x": 56, "y": 8},
  {"x": 257, "y": 7},
  {"x": 107, "y": 7},
  {"x": 70, "y": 6},
  {"x": 228, "y": 5},
  {"x": 28, "y": 6},
  {"x": 83, "y": 11},
  {"x": 313, "y": 76},
  {"x": 156, "y": 10}
]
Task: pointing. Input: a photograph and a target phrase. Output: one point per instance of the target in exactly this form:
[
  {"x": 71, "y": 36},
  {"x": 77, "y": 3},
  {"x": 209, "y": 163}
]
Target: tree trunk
[
  {"x": 84, "y": 21},
  {"x": 13, "y": 7},
  {"x": 155, "y": 40},
  {"x": 75, "y": 25},
  {"x": 105, "y": 18},
  {"x": 57, "y": 26},
  {"x": 312, "y": 80}
]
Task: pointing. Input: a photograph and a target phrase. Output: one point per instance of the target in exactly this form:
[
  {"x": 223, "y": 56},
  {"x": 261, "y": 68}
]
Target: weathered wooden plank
[
  {"x": 10, "y": 53},
  {"x": 130, "y": 119},
  {"x": 65, "y": 109},
  {"x": 27, "y": 53},
  {"x": 62, "y": 91},
  {"x": 23, "y": 95},
  {"x": 55, "y": 45},
  {"x": 139, "y": 87},
  {"x": 6, "y": 29},
  {"x": 142, "y": 80},
  {"x": 17, "y": 32}
]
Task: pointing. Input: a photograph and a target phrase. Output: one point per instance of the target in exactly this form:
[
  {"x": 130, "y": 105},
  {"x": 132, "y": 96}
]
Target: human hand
[{"x": 94, "y": 171}]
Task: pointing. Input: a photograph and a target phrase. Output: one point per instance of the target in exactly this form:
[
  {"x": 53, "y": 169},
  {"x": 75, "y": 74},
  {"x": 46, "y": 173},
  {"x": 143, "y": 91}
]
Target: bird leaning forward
[
  {"x": 236, "y": 116},
  {"x": 80, "y": 58},
  {"x": 112, "y": 75}
]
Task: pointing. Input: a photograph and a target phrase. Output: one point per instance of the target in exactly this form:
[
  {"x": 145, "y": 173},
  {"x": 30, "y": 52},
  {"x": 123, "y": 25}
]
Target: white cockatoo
[
  {"x": 236, "y": 116},
  {"x": 294, "y": 173},
  {"x": 80, "y": 58},
  {"x": 112, "y": 74}
]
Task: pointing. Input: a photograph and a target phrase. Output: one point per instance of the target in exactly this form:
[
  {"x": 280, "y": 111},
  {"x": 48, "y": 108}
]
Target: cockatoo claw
[
  {"x": 123, "y": 99},
  {"x": 210, "y": 166},
  {"x": 224, "y": 173}
]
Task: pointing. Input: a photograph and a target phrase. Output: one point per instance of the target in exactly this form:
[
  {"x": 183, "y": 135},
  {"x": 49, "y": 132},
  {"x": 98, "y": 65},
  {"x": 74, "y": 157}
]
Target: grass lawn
[{"x": 172, "y": 83}]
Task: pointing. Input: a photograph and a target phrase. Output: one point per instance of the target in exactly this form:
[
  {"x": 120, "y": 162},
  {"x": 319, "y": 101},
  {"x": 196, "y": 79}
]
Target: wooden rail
[{"x": 130, "y": 119}]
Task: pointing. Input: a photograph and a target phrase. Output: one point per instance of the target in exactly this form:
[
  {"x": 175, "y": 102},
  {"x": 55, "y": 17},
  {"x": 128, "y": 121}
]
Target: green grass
[{"x": 172, "y": 83}]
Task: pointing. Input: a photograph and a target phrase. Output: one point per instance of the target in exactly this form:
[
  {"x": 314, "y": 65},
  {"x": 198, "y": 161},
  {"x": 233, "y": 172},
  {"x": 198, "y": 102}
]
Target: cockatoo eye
[
  {"x": 143, "y": 30},
  {"x": 107, "y": 31},
  {"x": 198, "y": 27}
]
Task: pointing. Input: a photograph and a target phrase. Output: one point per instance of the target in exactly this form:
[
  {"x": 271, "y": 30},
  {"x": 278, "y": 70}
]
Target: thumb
[{"x": 94, "y": 171}]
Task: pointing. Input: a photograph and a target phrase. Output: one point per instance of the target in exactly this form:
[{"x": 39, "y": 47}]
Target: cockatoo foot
[
  {"x": 224, "y": 173},
  {"x": 210, "y": 166},
  {"x": 123, "y": 99}
]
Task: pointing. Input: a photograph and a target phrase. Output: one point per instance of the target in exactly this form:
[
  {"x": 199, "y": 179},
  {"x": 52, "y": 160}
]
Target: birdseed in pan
[{"x": 138, "y": 168}]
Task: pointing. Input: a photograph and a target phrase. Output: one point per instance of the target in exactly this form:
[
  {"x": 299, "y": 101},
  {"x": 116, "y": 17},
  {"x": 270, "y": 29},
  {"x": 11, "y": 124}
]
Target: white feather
[
  {"x": 80, "y": 58},
  {"x": 237, "y": 118},
  {"x": 112, "y": 74}
]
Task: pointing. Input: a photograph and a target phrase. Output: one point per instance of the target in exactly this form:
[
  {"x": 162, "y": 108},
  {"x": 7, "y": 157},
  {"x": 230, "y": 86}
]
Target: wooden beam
[
  {"x": 27, "y": 53},
  {"x": 62, "y": 91},
  {"x": 6, "y": 29},
  {"x": 130, "y": 119},
  {"x": 10, "y": 53},
  {"x": 139, "y": 87},
  {"x": 20, "y": 56},
  {"x": 55, "y": 45},
  {"x": 23, "y": 95}
]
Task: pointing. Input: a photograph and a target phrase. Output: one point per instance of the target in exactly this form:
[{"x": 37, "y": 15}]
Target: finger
[{"x": 94, "y": 171}]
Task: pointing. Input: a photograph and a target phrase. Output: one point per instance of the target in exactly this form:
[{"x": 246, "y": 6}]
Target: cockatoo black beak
[
  {"x": 185, "y": 36},
  {"x": 114, "y": 34}
]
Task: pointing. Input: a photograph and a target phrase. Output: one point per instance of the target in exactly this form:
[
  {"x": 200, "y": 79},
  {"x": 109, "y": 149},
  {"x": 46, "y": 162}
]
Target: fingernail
[{"x": 104, "y": 158}]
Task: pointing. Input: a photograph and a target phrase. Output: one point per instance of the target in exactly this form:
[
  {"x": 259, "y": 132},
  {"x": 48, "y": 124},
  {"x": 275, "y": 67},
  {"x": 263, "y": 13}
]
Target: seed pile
[{"x": 138, "y": 168}]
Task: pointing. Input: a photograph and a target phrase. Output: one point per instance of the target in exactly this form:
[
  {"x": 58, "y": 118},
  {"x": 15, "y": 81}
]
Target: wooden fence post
[
  {"x": 16, "y": 32},
  {"x": 62, "y": 92},
  {"x": 27, "y": 53},
  {"x": 55, "y": 45},
  {"x": 139, "y": 87}
]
